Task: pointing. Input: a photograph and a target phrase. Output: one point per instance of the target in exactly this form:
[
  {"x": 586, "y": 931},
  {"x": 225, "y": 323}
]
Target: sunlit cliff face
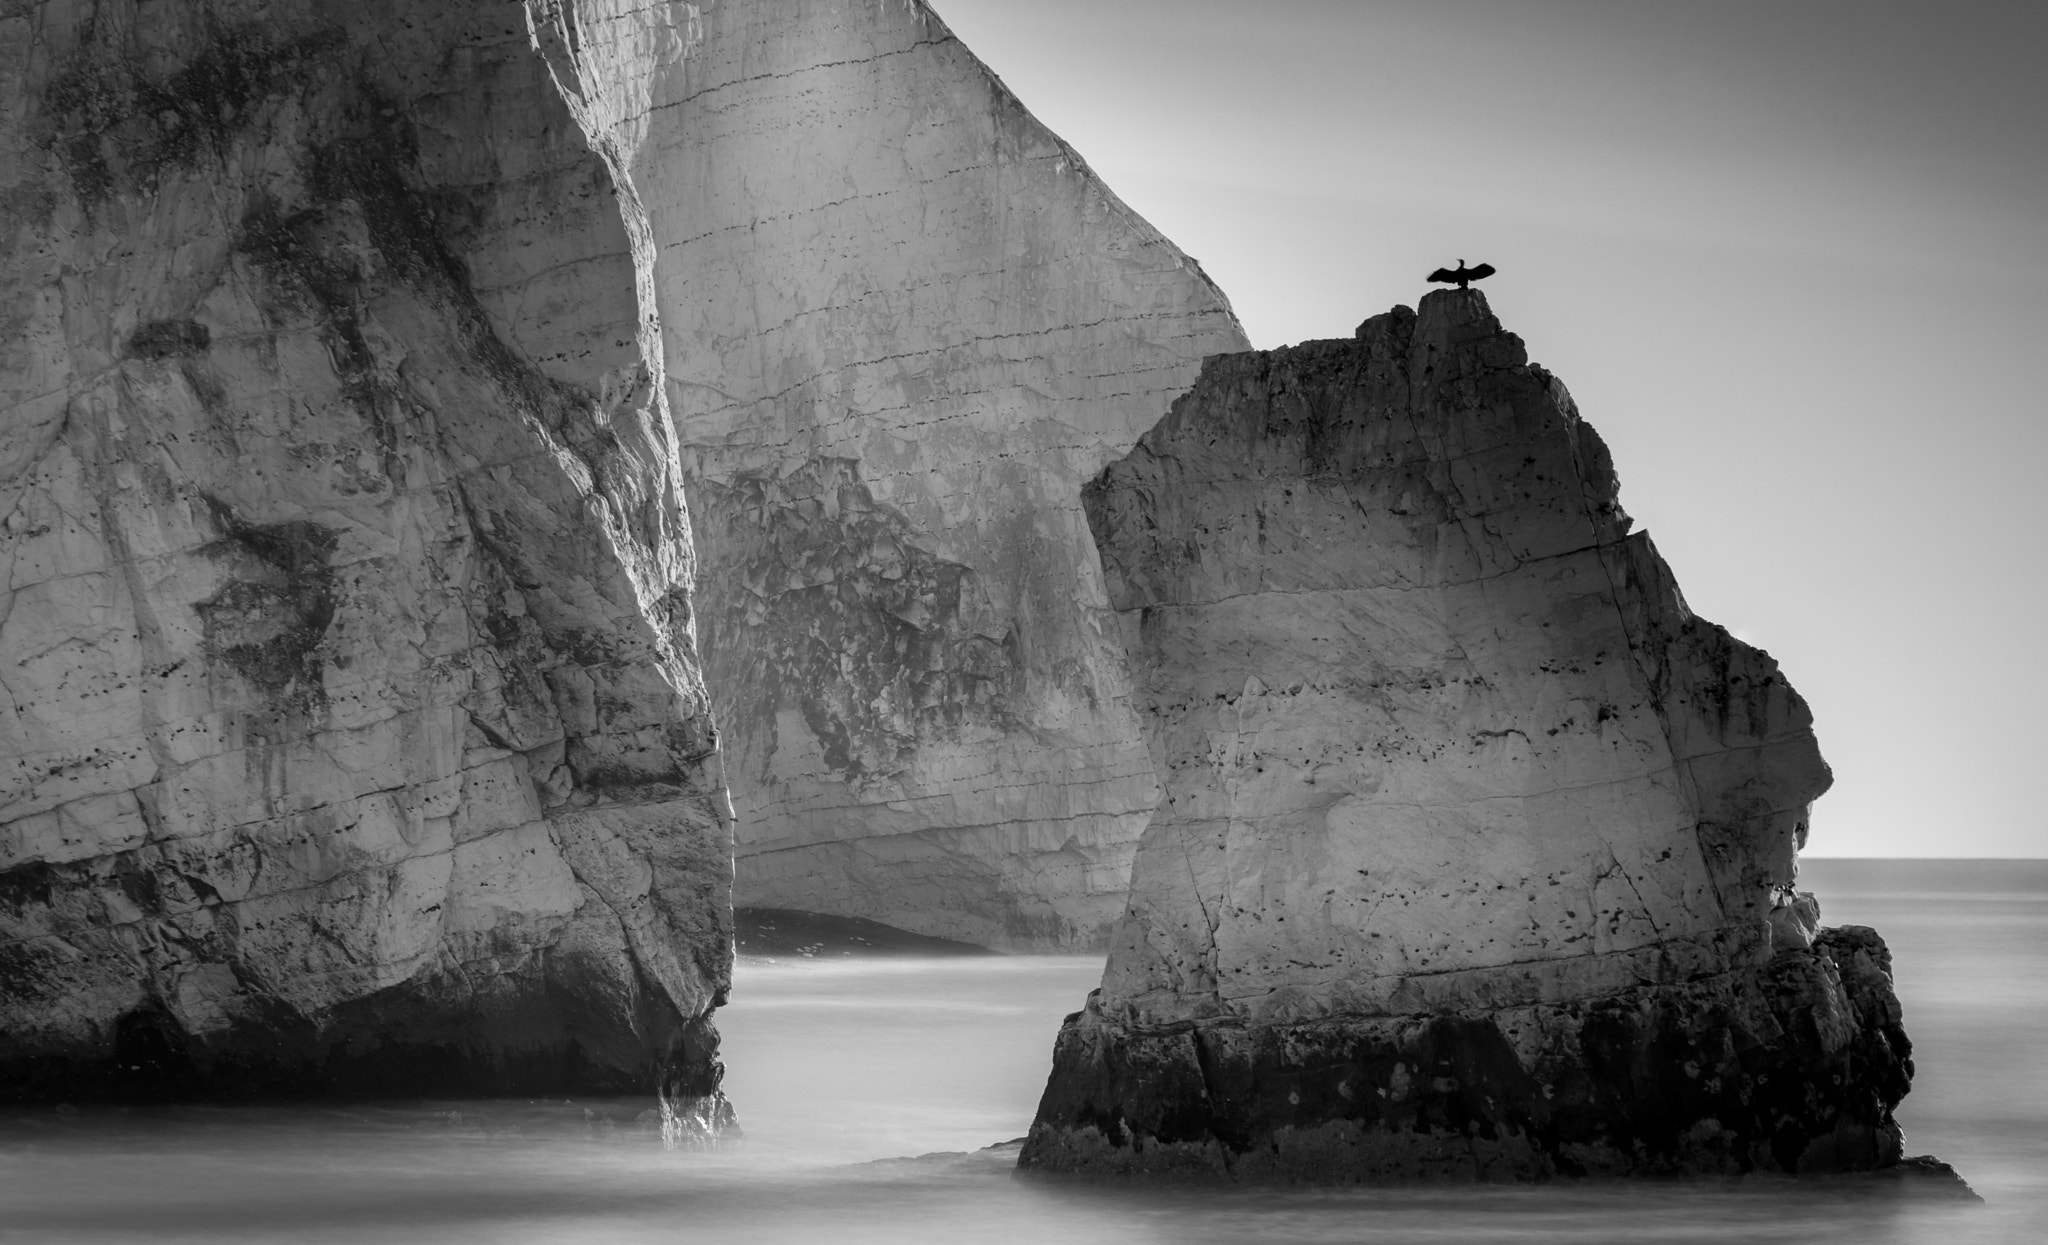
[
  {"x": 902, "y": 324},
  {"x": 354, "y": 740}
]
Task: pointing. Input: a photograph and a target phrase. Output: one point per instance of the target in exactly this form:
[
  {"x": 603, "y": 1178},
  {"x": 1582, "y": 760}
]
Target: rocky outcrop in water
[
  {"x": 354, "y": 738},
  {"x": 1477, "y": 846},
  {"x": 903, "y": 323}
]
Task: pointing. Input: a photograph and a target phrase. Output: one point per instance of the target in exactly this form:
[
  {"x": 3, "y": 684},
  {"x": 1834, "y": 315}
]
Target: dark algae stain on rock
[
  {"x": 1478, "y": 852},
  {"x": 836, "y": 608},
  {"x": 165, "y": 339},
  {"x": 119, "y": 126},
  {"x": 268, "y": 621}
]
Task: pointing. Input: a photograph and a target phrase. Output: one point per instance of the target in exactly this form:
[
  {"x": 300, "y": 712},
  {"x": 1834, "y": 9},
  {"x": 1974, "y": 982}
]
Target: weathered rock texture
[
  {"x": 353, "y": 734},
  {"x": 904, "y": 323},
  {"x": 1476, "y": 848}
]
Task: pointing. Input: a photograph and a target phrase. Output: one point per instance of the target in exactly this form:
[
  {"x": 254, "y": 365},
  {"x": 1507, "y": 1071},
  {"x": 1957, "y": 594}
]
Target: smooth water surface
[{"x": 846, "y": 1071}]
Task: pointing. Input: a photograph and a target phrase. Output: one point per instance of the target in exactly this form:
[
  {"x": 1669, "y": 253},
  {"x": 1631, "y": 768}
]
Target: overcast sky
[{"x": 1789, "y": 258}]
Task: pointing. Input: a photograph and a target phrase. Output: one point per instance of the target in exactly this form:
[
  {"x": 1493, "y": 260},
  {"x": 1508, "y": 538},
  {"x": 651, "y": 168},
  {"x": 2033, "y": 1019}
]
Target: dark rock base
[
  {"x": 1794, "y": 1066},
  {"x": 402, "y": 1043},
  {"x": 764, "y": 933}
]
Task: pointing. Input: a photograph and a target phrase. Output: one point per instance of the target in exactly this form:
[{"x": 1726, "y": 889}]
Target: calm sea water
[{"x": 869, "y": 1089}]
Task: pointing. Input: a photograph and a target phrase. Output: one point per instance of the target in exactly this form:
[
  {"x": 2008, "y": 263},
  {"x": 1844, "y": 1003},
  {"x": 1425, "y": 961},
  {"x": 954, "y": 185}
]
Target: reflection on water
[{"x": 840, "y": 1069}]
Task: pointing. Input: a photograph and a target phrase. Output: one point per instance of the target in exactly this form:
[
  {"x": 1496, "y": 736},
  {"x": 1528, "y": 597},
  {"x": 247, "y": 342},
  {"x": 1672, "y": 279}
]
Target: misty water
[{"x": 869, "y": 1090}]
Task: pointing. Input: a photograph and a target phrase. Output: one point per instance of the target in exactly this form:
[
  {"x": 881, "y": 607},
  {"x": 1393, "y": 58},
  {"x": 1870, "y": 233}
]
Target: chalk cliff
[
  {"x": 903, "y": 324},
  {"x": 1477, "y": 847},
  {"x": 353, "y": 733}
]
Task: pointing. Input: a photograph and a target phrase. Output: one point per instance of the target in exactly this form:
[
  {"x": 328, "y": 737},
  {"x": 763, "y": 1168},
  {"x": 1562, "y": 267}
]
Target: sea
[{"x": 877, "y": 1095}]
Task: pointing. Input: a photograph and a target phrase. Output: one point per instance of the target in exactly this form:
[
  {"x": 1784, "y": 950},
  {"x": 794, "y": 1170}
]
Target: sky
[{"x": 1790, "y": 258}]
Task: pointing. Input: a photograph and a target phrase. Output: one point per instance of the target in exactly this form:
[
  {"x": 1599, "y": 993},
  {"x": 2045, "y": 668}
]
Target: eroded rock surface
[
  {"x": 1477, "y": 846},
  {"x": 903, "y": 324},
  {"x": 353, "y": 733}
]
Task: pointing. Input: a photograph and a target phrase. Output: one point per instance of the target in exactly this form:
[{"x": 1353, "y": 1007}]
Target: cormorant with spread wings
[{"x": 1462, "y": 275}]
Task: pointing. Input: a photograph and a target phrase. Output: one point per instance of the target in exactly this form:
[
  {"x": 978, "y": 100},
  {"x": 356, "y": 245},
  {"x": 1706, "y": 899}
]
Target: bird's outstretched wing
[
  {"x": 1478, "y": 271},
  {"x": 1443, "y": 274}
]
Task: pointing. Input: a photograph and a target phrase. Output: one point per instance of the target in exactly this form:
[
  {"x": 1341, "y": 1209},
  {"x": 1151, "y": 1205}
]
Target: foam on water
[{"x": 841, "y": 1068}]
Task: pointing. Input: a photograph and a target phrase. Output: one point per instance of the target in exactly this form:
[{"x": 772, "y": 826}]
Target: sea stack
[
  {"x": 1477, "y": 851},
  {"x": 902, "y": 324},
  {"x": 353, "y": 732}
]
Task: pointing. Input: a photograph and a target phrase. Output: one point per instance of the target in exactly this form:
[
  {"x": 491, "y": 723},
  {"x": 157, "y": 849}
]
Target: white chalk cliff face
[
  {"x": 1476, "y": 848},
  {"x": 352, "y": 728},
  {"x": 902, "y": 324}
]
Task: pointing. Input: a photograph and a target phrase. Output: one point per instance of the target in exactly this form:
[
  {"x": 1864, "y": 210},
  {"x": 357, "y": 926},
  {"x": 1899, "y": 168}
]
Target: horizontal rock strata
[
  {"x": 353, "y": 735},
  {"x": 1476, "y": 852},
  {"x": 903, "y": 324}
]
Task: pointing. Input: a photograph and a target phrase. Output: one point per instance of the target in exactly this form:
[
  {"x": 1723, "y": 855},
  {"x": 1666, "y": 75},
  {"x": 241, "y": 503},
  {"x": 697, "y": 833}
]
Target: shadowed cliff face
[
  {"x": 1476, "y": 848},
  {"x": 353, "y": 732},
  {"x": 903, "y": 323}
]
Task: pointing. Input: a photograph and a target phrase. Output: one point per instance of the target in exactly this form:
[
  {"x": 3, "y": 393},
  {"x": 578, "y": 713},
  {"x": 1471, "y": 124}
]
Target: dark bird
[{"x": 1462, "y": 275}]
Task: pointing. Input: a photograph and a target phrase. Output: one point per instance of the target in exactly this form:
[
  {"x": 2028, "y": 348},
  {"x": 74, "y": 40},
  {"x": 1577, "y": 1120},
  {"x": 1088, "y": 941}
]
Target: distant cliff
[
  {"x": 353, "y": 734},
  {"x": 1477, "y": 846},
  {"x": 903, "y": 323}
]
